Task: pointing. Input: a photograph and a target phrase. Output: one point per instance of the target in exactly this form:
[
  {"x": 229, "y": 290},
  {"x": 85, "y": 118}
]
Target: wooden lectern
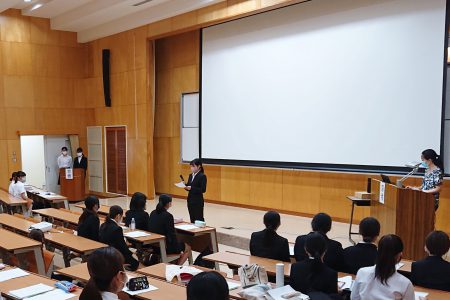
[
  {"x": 73, "y": 189},
  {"x": 407, "y": 213}
]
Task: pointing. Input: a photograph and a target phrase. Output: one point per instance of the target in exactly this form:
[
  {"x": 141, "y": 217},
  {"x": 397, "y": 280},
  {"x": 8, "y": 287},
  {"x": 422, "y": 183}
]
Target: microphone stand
[{"x": 400, "y": 181}]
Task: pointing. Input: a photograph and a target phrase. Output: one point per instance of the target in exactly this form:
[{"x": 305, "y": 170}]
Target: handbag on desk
[{"x": 252, "y": 275}]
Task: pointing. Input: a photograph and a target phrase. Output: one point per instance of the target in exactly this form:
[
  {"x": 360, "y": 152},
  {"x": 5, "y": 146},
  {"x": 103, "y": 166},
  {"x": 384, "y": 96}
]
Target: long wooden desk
[
  {"x": 61, "y": 240},
  {"x": 65, "y": 217},
  {"x": 102, "y": 210},
  {"x": 29, "y": 280},
  {"x": 17, "y": 245},
  {"x": 165, "y": 291},
  {"x": 9, "y": 203},
  {"x": 54, "y": 200}
]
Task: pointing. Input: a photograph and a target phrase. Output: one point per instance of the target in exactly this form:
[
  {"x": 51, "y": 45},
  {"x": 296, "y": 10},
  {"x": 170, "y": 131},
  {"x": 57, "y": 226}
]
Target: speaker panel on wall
[{"x": 106, "y": 53}]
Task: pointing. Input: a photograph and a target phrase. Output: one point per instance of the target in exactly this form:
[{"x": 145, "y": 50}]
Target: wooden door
[{"x": 116, "y": 160}]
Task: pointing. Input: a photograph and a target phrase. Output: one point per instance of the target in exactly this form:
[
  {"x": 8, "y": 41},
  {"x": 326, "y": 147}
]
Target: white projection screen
[{"x": 337, "y": 84}]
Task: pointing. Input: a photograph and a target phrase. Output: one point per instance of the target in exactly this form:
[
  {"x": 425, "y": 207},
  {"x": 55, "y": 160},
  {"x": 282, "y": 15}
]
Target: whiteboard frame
[{"x": 182, "y": 160}]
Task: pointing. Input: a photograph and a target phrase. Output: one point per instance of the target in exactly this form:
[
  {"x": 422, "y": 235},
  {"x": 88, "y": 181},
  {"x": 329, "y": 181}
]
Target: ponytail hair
[
  {"x": 316, "y": 246},
  {"x": 272, "y": 221},
  {"x": 114, "y": 211},
  {"x": 198, "y": 163},
  {"x": 435, "y": 158},
  {"x": 389, "y": 247},
  {"x": 18, "y": 175},
  {"x": 13, "y": 176},
  {"x": 164, "y": 199},
  {"x": 103, "y": 265}
]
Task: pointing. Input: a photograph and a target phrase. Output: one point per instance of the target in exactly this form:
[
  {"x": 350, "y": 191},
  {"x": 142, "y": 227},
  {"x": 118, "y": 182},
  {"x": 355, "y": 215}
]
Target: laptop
[{"x": 385, "y": 179}]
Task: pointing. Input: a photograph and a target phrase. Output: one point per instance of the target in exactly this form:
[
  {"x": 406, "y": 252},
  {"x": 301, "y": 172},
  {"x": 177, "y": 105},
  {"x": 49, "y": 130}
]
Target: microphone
[
  {"x": 182, "y": 179},
  {"x": 415, "y": 167},
  {"x": 413, "y": 164}
]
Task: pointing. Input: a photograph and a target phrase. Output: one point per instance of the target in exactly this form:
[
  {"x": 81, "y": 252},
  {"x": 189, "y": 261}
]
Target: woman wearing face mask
[
  {"x": 64, "y": 161},
  {"x": 196, "y": 186},
  {"x": 108, "y": 277},
  {"x": 18, "y": 190},
  {"x": 112, "y": 234},
  {"x": 80, "y": 162},
  {"x": 433, "y": 178}
]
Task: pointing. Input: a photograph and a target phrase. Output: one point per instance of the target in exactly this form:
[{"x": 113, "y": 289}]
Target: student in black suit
[
  {"x": 208, "y": 286},
  {"x": 162, "y": 222},
  {"x": 137, "y": 212},
  {"x": 334, "y": 258},
  {"x": 80, "y": 162},
  {"x": 364, "y": 253},
  {"x": 89, "y": 223},
  {"x": 196, "y": 186},
  {"x": 267, "y": 243},
  {"x": 433, "y": 272},
  {"x": 112, "y": 234},
  {"x": 312, "y": 275}
]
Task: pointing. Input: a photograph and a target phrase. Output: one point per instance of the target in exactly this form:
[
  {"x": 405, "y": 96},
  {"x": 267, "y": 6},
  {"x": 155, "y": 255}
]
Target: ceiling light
[
  {"x": 27, "y": 1},
  {"x": 36, "y": 6}
]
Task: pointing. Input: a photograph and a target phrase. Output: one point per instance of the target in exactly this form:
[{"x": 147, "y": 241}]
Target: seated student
[
  {"x": 382, "y": 281},
  {"x": 334, "y": 257},
  {"x": 433, "y": 271},
  {"x": 11, "y": 182},
  {"x": 18, "y": 190},
  {"x": 112, "y": 234},
  {"x": 137, "y": 211},
  {"x": 108, "y": 277},
  {"x": 312, "y": 275},
  {"x": 364, "y": 253},
  {"x": 89, "y": 223},
  {"x": 207, "y": 286},
  {"x": 267, "y": 243},
  {"x": 162, "y": 222}
]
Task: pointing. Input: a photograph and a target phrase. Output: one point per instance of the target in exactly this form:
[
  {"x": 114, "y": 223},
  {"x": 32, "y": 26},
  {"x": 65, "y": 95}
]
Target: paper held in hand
[{"x": 180, "y": 184}]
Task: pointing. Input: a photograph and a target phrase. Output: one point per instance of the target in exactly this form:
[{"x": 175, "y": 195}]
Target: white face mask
[
  {"x": 64, "y": 153},
  {"x": 23, "y": 180},
  {"x": 79, "y": 154}
]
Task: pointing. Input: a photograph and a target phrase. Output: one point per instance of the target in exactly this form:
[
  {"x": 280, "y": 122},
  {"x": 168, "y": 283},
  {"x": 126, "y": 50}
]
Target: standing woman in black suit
[
  {"x": 80, "y": 162},
  {"x": 196, "y": 186}
]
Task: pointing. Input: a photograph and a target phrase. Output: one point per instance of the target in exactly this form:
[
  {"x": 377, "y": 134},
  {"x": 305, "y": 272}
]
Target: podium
[
  {"x": 73, "y": 189},
  {"x": 407, "y": 213}
]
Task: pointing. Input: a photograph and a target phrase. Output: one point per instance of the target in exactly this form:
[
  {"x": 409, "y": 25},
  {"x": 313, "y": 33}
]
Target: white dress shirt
[
  {"x": 367, "y": 287},
  {"x": 17, "y": 189},
  {"x": 64, "y": 161},
  {"x": 109, "y": 296},
  {"x": 10, "y": 189}
]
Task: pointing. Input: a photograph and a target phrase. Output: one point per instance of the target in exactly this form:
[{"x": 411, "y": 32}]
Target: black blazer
[
  {"x": 305, "y": 280},
  {"x": 359, "y": 256},
  {"x": 334, "y": 257},
  {"x": 89, "y": 228},
  {"x": 163, "y": 223},
  {"x": 112, "y": 234},
  {"x": 83, "y": 164},
  {"x": 277, "y": 247},
  {"x": 198, "y": 187},
  {"x": 433, "y": 272},
  {"x": 141, "y": 218}
]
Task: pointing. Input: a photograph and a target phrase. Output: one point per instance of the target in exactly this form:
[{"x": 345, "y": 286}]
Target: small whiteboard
[{"x": 190, "y": 123}]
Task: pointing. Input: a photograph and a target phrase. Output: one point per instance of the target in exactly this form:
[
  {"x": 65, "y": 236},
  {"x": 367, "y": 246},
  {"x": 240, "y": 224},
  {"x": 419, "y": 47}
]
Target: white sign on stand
[
  {"x": 382, "y": 191},
  {"x": 69, "y": 174}
]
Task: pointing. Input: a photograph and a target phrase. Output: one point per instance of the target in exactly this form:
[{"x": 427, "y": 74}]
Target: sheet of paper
[
  {"x": 174, "y": 270},
  {"x": 55, "y": 294},
  {"x": 180, "y": 184},
  {"x": 30, "y": 291},
  {"x": 399, "y": 265},
  {"x": 233, "y": 285},
  {"x": 277, "y": 293},
  {"x": 186, "y": 227},
  {"x": 345, "y": 282},
  {"x": 420, "y": 295},
  {"x": 291, "y": 250},
  {"x": 132, "y": 293},
  {"x": 12, "y": 273},
  {"x": 136, "y": 234}
]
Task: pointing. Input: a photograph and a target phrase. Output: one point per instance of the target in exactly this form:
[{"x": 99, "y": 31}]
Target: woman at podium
[{"x": 434, "y": 175}]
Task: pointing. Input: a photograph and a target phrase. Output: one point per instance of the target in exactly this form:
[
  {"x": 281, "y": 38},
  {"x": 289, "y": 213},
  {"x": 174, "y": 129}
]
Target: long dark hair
[
  {"x": 272, "y": 221},
  {"x": 198, "y": 163},
  {"x": 315, "y": 246},
  {"x": 435, "y": 158},
  {"x": 89, "y": 204},
  {"x": 138, "y": 201},
  {"x": 208, "y": 286},
  {"x": 103, "y": 265},
  {"x": 164, "y": 199},
  {"x": 18, "y": 175},
  {"x": 389, "y": 247}
]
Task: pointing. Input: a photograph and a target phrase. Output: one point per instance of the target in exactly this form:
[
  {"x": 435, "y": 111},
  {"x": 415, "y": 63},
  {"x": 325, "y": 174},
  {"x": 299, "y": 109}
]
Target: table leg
[
  {"x": 66, "y": 204},
  {"x": 215, "y": 247},
  {"x": 39, "y": 260},
  {"x": 66, "y": 257},
  {"x": 162, "y": 248},
  {"x": 351, "y": 223}
]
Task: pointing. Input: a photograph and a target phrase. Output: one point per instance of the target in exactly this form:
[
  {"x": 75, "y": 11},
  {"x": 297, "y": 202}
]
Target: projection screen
[{"x": 335, "y": 84}]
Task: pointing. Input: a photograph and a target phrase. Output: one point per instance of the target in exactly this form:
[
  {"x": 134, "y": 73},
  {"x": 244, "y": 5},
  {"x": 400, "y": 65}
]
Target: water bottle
[{"x": 133, "y": 224}]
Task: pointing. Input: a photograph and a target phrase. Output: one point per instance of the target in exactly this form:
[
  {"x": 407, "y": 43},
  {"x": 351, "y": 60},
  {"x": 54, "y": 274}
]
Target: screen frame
[{"x": 345, "y": 168}]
